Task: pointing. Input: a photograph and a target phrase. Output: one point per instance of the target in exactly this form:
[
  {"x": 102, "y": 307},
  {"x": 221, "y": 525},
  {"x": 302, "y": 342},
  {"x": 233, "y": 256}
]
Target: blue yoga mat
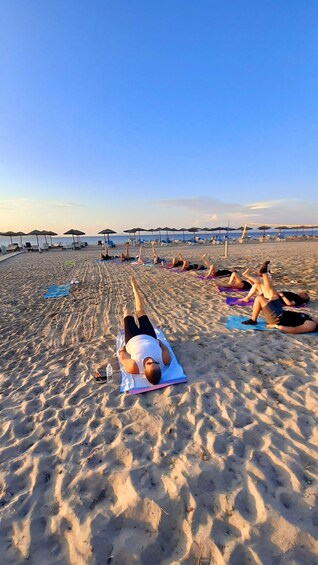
[
  {"x": 235, "y": 323},
  {"x": 55, "y": 291}
]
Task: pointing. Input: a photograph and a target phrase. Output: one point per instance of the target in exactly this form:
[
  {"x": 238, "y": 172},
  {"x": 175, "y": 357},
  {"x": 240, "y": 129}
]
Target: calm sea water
[{"x": 120, "y": 239}]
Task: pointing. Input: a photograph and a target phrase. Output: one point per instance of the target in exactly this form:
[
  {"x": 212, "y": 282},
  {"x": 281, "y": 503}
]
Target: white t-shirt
[{"x": 142, "y": 346}]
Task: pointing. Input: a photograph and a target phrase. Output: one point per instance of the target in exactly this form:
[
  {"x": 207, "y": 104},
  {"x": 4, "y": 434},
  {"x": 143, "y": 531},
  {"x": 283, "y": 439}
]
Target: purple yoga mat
[{"x": 234, "y": 301}]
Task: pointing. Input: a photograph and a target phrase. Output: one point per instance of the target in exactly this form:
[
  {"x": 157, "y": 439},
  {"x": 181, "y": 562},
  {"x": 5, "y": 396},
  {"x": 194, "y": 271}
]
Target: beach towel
[
  {"x": 136, "y": 384},
  {"x": 116, "y": 261},
  {"x": 235, "y": 301},
  {"x": 55, "y": 291},
  {"x": 235, "y": 323}
]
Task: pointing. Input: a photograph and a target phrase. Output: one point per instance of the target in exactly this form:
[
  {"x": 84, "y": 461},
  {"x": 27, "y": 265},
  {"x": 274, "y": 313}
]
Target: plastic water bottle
[{"x": 109, "y": 373}]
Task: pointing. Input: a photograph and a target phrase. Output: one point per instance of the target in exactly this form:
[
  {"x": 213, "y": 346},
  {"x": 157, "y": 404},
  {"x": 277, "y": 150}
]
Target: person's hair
[
  {"x": 153, "y": 374},
  {"x": 307, "y": 297}
]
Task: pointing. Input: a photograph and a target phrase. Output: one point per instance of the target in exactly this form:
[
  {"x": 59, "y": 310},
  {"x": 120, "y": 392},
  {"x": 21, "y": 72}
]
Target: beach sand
[{"x": 222, "y": 469}]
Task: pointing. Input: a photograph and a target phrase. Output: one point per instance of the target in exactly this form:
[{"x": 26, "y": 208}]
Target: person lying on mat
[
  {"x": 187, "y": 266},
  {"x": 213, "y": 270},
  {"x": 106, "y": 257},
  {"x": 287, "y": 298},
  {"x": 155, "y": 257},
  {"x": 238, "y": 282},
  {"x": 125, "y": 256},
  {"x": 286, "y": 321},
  {"x": 142, "y": 353},
  {"x": 176, "y": 261}
]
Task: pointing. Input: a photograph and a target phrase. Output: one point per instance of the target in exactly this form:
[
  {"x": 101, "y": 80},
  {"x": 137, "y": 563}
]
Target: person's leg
[
  {"x": 139, "y": 305},
  {"x": 130, "y": 327},
  {"x": 205, "y": 261},
  {"x": 269, "y": 290},
  {"x": 185, "y": 265},
  {"x": 145, "y": 326},
  {"x": 258, "y": 305},
  {"x": 211, "y": 272}
]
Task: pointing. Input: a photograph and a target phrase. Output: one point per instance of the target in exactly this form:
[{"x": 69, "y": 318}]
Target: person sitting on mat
[
  {"x": 285, "y": 321},
  {"x": 213, "y": 270},
  {"x": 125, "y": 256},
  {"x": 287, "y": 298},
  {"x": 143, "y": 352}
]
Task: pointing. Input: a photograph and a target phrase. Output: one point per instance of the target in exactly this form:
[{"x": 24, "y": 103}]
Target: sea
[{"x": 162, "y": 237}]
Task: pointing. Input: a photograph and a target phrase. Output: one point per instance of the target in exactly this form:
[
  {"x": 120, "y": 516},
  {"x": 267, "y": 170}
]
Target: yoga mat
[
  {"x": 116, "y": 261},
  {"x": 235, "y": 301},
  {"x": 235, "y": 323},
  {"x": 55, "y": 291},
  {"x": 137, "y": 384}
]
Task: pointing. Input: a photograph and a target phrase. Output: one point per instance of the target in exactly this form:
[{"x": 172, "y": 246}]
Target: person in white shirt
[{"x": 142, "y": 353}]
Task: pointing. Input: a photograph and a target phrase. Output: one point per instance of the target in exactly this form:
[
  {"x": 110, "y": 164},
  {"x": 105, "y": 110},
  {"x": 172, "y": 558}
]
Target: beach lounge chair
[{"x": 12, "y": 247}]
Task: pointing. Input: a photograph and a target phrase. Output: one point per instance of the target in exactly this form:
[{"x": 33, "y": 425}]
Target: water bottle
[{"x": 109, "y": 373}]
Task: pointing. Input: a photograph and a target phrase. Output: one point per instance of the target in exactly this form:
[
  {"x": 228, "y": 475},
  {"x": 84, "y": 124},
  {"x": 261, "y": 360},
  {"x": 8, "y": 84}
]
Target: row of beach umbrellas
[{"x": 107, "y": 232}]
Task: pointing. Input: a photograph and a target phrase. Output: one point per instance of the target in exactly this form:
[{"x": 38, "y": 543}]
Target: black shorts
[
  {"x": 273, "y": 311},
  {"x": 178, "y": 264},
  {"x": 223, "y": 273},
  {"x": 246, "y": 285},
  {"x": 293, "y": 319},
  {"x": 131, "y": 329},
  {"x": 195, "y": 266}
]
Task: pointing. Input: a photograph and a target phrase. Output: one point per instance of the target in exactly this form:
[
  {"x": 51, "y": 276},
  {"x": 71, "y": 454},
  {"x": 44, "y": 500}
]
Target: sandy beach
[{"x": 222, "y": 469}]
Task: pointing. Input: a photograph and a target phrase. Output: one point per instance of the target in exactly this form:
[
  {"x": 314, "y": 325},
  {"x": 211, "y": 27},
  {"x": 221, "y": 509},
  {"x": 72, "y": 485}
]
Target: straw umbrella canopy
[
  {"x": 10, "y": 234},
  {"x": 282, "y": 228},
  {"x": 74, "y": 232},
  {"x": 159, "y": 230},
  {"x": 263, "y": 229},
  {"x": 131, "y": 231},
  {"x": 50, "y": 233},
  {"x": 36, "y": 233},
  {"x": 107, "y": 231},
  {"x": 183, "y": 230},
  {"x": 20, "y": 234},
  {"x": 139, "y": 230},
  {"x": 166, "y": 229},
  {"x": 193, "y": 230}
]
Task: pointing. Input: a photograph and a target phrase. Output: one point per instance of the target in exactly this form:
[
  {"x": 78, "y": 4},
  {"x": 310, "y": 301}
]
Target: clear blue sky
[{"x": 121, "y": 113}]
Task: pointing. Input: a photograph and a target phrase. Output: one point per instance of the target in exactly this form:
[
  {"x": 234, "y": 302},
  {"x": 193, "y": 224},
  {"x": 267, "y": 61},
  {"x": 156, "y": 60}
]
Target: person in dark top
[
  {"x": 105, "y": 256},
  {"x": 275, "y": 316},
  {"x": 288, "y": 298},
  {"x": 214, "y": 271},
  {"x": 125, "y": 256}
]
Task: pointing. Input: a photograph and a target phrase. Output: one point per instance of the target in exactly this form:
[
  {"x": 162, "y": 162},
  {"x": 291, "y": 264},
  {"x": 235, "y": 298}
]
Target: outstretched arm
[
  {"x": 166, "y": 357},
  {"x": 285, "y": 299},
  {"x": 127, "y": 362}
]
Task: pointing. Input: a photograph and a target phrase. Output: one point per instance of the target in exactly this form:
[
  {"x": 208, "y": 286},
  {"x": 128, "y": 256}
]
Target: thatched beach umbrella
[
  {"x": 282, "y": 228},
  {"x": 10, "y": 234},
  {"x": 183, "y": 230},
  {"x": 106, "y": 231},
  {"x": 263, "y": 229},
  {"x": 20, "y": 234},
  {"x": 36, "y": 233},
  {"x": 50, "y": 233},
  {"x": 193, "y": 230},
  {"x": 74, "y": 232},
  {"x": 159, "y": 230}
]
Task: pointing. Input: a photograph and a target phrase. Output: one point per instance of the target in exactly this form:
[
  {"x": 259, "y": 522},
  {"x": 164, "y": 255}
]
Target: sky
[{"x": 125, "y": 113}]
